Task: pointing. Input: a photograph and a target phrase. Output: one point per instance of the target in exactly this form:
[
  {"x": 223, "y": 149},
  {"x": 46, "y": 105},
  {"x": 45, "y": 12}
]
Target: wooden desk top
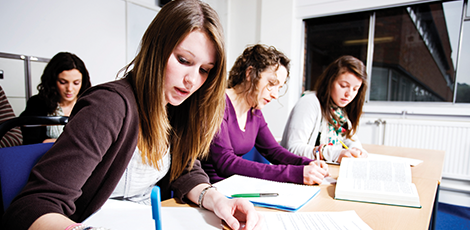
[{"x": 426, "y": 177}]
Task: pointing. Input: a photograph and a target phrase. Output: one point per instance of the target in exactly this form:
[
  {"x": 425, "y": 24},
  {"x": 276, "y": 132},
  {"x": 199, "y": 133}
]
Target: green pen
[{"x": 256, "y": 195}]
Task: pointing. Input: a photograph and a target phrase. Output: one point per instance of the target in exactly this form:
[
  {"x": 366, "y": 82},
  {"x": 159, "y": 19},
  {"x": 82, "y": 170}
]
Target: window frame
[{"x": 370, "y": 45}]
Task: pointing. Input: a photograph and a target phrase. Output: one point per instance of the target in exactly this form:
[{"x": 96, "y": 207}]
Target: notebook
[{"x": 291, "y": 196}]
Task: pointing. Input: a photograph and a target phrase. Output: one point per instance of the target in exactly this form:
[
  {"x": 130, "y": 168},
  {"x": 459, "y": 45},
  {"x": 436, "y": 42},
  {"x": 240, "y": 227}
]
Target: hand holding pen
[
  {"x": 315, "y": 171},
  {"x": 351, "y": 152}
]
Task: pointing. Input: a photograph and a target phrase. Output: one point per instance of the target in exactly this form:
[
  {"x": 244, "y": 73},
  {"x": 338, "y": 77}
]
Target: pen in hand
[
  {"x": 255, "y": 195},
  {"x": 345, "y": 146}
]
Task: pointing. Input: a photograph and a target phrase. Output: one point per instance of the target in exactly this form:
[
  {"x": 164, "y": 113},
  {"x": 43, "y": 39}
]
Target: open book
[
  {"x": 291, "y": 197},
  {"x": 376, "y": 181}
]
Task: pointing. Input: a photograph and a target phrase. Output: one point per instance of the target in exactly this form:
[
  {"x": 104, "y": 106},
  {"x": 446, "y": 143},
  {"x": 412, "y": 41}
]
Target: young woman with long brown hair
[
  {"x": 320, "y": 121},
  {"x": 169, "y": 105}
]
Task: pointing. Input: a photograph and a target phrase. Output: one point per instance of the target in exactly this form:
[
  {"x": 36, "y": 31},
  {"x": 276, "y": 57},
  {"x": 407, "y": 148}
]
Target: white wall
[
  {"x": 138, "y": 19},
  {"x": 93, "y": 30},
  {"x": 105, "y": 34},
  {"x": 270, "y": 22}
]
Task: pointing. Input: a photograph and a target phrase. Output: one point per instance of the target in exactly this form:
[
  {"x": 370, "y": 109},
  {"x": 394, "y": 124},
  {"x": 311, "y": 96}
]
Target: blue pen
[{"x": 156, "y": 207}]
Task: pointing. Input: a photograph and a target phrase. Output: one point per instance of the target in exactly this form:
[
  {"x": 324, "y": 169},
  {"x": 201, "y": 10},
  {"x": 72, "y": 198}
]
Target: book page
[
  {"x": 347, "y": 220},
  {"x": 374, "y": 186},
  {"x": 370, "y": 169},
  {"x": 376, "y": 181}
]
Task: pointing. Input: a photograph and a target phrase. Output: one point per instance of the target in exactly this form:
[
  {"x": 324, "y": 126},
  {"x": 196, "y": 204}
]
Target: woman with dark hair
[
  {"x": 255, "y": 80},
  {"x": 320, "y": 121},
  {"x": 64, "y": 79},
  {"x": 164, "y": 111}
]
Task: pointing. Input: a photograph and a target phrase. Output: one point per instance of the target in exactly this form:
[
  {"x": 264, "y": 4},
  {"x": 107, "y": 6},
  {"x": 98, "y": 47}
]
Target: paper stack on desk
[
  {"x": 291, "y": 196},
  {"x": 124, "y": 215},
  {"x": 346, "y": 220}
]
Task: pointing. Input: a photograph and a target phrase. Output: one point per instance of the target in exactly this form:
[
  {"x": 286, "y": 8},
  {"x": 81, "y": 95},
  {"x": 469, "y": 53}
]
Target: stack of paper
[
  {"x": 124, "y": 215},
  {"x": 347, "y": 220},
  {"x": 291, "y": 196}
]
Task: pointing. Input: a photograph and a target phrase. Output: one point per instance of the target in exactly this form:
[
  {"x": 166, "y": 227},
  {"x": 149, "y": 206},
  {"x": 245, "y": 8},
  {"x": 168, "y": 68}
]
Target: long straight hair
[
  {"x": 189, "y": 127},
  {"x": 324, "y": 85}
]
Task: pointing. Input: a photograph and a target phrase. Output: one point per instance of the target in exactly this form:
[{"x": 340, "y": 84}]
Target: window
[
  {"x": 415, "y": 50},
  {"x": 331, "y": 37},
  {"x": 468, "y": 10},
  {"x": 463, "y": 71}
]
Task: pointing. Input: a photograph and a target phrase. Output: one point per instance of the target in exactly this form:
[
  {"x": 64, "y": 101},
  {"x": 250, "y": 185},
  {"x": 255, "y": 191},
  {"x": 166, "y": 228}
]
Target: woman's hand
[
  {"x": 315, "y": 172},
  {"x": 363, "y": 152},
  {"x": 49, "y": 140},
  {"x": 51, "y": 221},
  {"x": 238, "y": 212},
  {"x": 352, "y": 152},
  {"x": 235, "y": 212}
]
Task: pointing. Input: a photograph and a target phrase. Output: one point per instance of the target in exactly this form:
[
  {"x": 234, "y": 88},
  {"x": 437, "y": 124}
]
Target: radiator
[{"x": 452, "y": 137}]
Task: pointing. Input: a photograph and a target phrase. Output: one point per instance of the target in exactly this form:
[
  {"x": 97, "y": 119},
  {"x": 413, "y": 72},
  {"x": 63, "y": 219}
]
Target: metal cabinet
[{"x": 19, "y": 78}]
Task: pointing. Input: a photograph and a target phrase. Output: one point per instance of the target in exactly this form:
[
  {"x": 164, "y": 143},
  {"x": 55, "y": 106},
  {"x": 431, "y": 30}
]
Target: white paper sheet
[
  {"x": 346, "y": 220},
  {"x": 328, "y": 180},
  {"x": 291, "y": 196},
  {"x": 125, "y": 215},
  {"x": 411, "y": 161}
]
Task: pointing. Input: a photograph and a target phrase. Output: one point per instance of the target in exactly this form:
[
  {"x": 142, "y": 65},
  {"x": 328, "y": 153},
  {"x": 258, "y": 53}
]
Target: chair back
[
  {"x": 31, "y": 121},
  {"x": 15, "y": 166},
  {"x": 16, "y": 162}
]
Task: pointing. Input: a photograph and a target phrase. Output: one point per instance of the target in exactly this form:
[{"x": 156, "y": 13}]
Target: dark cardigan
[{"x": 83, "y": 167}]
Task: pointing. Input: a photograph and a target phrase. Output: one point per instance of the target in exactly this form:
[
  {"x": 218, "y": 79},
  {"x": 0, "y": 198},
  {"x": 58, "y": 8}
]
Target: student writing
[
  {"x": 254, "y": 81},
  {"x": 321, "y": 120}
]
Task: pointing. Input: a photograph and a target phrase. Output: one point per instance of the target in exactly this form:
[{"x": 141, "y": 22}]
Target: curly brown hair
[{"x": 246, "y": 72}]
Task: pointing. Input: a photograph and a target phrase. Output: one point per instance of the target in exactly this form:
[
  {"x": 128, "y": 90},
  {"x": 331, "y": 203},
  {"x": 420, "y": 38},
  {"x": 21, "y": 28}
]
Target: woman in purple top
[{"x": 255, "y": 79}]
